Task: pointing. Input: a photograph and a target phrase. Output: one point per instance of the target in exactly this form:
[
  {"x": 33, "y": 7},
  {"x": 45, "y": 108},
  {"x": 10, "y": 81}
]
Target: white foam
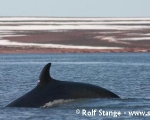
[
  {"x": 56, "y": 102},
  {"x": 19, "y": 44}
]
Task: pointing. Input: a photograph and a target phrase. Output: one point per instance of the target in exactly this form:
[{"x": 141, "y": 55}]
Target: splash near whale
[{"x": 49, "y": 90}]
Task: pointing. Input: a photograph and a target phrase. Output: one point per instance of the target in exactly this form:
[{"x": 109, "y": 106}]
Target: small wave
[
  {"x": 14, "y": 63},
  {"x": 56, "y": 102}
]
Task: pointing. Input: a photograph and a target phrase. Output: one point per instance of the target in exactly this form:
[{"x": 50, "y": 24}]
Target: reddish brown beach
[{"x": 113, "y": 40}]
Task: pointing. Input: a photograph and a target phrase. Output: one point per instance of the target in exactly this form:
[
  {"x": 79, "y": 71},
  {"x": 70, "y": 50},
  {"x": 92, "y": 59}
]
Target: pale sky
[{"x": 75, "y": 8}]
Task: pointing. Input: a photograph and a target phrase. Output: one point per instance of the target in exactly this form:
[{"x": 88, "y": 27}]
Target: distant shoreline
[
  {"x": 73, "y": 35},
  {"x": 35, "y": 50}
]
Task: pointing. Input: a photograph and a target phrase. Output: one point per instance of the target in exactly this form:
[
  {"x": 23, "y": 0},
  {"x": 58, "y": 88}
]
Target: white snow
[
  {"x": 47, "y": 23},
  {"x": 9, "y": 25},
  {"x": 19, "y": 44},
  {"x": 147, "y": 34},
  {"x": 10, "y": 35},
  {"x": 135, "y": 38},
  {"x": 75, "y": 22},
  {"x": 70, "y": 27}
]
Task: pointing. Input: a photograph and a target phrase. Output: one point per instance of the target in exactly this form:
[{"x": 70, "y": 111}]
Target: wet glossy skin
[{"x": 49, "y": 89}]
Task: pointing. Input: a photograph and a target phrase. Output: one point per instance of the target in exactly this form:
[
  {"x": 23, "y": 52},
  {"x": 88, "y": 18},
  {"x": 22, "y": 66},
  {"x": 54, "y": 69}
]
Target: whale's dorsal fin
[{"x": 45, "y": 76}]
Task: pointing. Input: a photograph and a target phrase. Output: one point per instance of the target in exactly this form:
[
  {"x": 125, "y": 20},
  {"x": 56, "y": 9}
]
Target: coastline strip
[{"x": 19, "y": 44}]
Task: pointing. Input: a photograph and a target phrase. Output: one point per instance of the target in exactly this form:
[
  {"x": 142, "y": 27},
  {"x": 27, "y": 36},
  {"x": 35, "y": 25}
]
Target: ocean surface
[{"x": 126, "y": 74}]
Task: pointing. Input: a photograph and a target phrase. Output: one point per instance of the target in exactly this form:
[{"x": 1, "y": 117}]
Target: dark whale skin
[{"x": 49, "y": 89}]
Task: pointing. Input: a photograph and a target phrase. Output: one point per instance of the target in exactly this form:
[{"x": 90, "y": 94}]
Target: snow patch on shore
[
  {"x": 72, "y": 27},
  {"x": 92, "y": 22},
  {"x": 135, "y": 38},
  {"x": 19, "y": 44},
  {"x": 11, "y": 35}
]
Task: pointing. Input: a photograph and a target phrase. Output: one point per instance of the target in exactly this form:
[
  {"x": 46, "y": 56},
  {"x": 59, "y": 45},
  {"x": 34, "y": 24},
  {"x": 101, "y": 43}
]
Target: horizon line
[{"x": 79, "y": 16}]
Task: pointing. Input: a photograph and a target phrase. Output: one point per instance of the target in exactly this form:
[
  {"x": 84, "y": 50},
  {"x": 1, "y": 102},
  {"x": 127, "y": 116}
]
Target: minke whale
[{"x": 49, "y": 90}]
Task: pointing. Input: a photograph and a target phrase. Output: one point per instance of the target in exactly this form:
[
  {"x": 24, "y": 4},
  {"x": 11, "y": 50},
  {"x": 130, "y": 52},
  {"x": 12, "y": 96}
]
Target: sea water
[{"x": 126, "y": 74}]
